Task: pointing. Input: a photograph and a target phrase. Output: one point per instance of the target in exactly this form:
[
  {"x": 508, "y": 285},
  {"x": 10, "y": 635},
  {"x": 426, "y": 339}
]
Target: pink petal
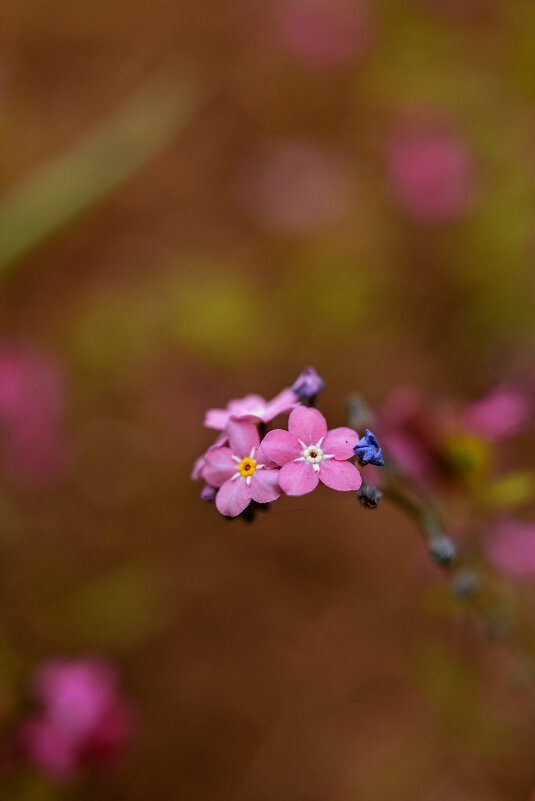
[
  {"x": 342, "y": 476},
  {"x": 502, "y": 413},
  {"x": 216, "y": 418},
  {"x": 298, "y": 478},
  {"x": 219, "y": 466},
  {"x": 243, "y": 436},
  {"x": 307, "y": 425},
  {"x": 198, "y": 467},
  {"x": 246, "y": 404},
  {"x": 200, "y": 463},
  {"x": 511, "y": 548},
  {"x": 264, "y": 486},
  {"x": 341, "y": 442},
  {"x": 280, "y": 446},
  {"x": 282, "y": 403},
  {"x": 233, "y": 497}
]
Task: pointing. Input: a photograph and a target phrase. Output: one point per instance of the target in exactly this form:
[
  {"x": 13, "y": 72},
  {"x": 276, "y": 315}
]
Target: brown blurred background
[{"x": 198, "y": 199}]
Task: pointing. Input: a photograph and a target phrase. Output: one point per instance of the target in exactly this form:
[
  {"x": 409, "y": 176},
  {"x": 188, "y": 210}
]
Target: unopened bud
[
  {"x": 369, "y": 496},
  {"x": 308, "y": 385},
  {"x": 442, "y": 550}
]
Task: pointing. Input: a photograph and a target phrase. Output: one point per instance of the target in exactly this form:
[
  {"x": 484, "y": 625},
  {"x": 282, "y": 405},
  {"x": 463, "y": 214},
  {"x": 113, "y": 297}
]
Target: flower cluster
[{"x": 246, "y": 463}]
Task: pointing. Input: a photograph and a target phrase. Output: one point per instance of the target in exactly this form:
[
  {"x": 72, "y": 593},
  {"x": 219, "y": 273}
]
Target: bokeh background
[{"x": 199, "y": 198}]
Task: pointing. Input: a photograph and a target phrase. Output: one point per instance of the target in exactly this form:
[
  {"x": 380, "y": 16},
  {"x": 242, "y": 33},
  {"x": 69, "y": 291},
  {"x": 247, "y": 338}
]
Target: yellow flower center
[{"x": 247, "y": 467}]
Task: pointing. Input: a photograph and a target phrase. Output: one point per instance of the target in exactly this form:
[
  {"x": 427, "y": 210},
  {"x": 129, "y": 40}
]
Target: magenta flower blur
[
  {"x": 308, "y": 453},
  {"x": 296, "y": 187},
  {"x": 502, "y": 413},
  {"x": 325, "y": 34},
  {"x": 31, "y": 416},
  {"x": 252, "y": 407},
  {"x": 238, "y": 472},
  {"x": 432, "y": 175},
  {"x": 83, "y": 718},
  {"x": 510, "y": 547}
]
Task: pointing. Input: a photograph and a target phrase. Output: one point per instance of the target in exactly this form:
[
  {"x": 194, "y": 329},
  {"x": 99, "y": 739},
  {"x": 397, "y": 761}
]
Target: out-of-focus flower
[
  {"x": 443, "y": 441},
  {"x": 83, "y": 718},
  {"x": 502, "y": 413},
  {"x": 407, "y": 431},
  {"x": 432, "y": 174},
  {"x": 308, "y": 453},
  {"x": 251, "y": 407},
  {"x": 296, "y": 187},
  {"x": 325, "y": 34},
  {"x": 236, "y": 472},
  {"x": 31, "y": 416},
  {"x": 308, "y": 385},
  {"x": 368, "y": 450},
  {"x": 511, "y": 547}
]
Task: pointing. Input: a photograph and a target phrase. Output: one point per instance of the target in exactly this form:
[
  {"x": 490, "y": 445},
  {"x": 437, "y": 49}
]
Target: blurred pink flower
[
  {"x": 325, "y": 34},
  {"x": 296, "y": 187},
  {"x": 511, "y": 548},
  {"x": 308, "y": 453},
  {"x": 83, "y": 718},
  {"x": 251, "y": 407},
  {"x": 432, "y": 174},
  {"x": 31, "y": 415},
  {"x": 407, "y": 430},
  {"x": 502, "y": 413},
  {"x": 237, "y": 472}
]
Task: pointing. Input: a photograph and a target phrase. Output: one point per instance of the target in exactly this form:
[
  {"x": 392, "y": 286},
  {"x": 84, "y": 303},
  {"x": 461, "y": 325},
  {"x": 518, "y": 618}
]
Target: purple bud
[
  {"x": 308, "y": 385},
  {"x": 208, "y": 493}
]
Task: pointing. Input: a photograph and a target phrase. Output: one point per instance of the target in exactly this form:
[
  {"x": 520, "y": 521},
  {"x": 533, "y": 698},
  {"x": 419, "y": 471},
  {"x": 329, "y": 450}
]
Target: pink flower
[
  {"x": 296, "y": 187},
  {"x": 432, "y": 174},
  {"x": 308, "y": 453},
  {"x": 252, "y": 407},
  {"x": 83, "y": 717},
  {"x": 501, "y": 413},
  {"x": 325, "y": 34},
  {"x": 237, "y": 473},
  {"x": 511, "y": 548}
]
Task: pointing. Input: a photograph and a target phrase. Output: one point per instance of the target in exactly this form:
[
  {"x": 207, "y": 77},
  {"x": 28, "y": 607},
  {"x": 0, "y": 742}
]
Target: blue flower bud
[
  {"x": 443, "y": 550},
  {"x": 308, "y": 385},
  {"x": 368, "y": 450},
  {"x": 369, "y": 496}
]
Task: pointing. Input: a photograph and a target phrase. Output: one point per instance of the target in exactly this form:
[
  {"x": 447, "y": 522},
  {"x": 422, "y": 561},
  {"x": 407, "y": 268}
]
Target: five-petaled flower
[
  {"x": 238, "y": 470},
  {"x": 309, "y": 453},
  {"x": 252, "y": 407}
]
